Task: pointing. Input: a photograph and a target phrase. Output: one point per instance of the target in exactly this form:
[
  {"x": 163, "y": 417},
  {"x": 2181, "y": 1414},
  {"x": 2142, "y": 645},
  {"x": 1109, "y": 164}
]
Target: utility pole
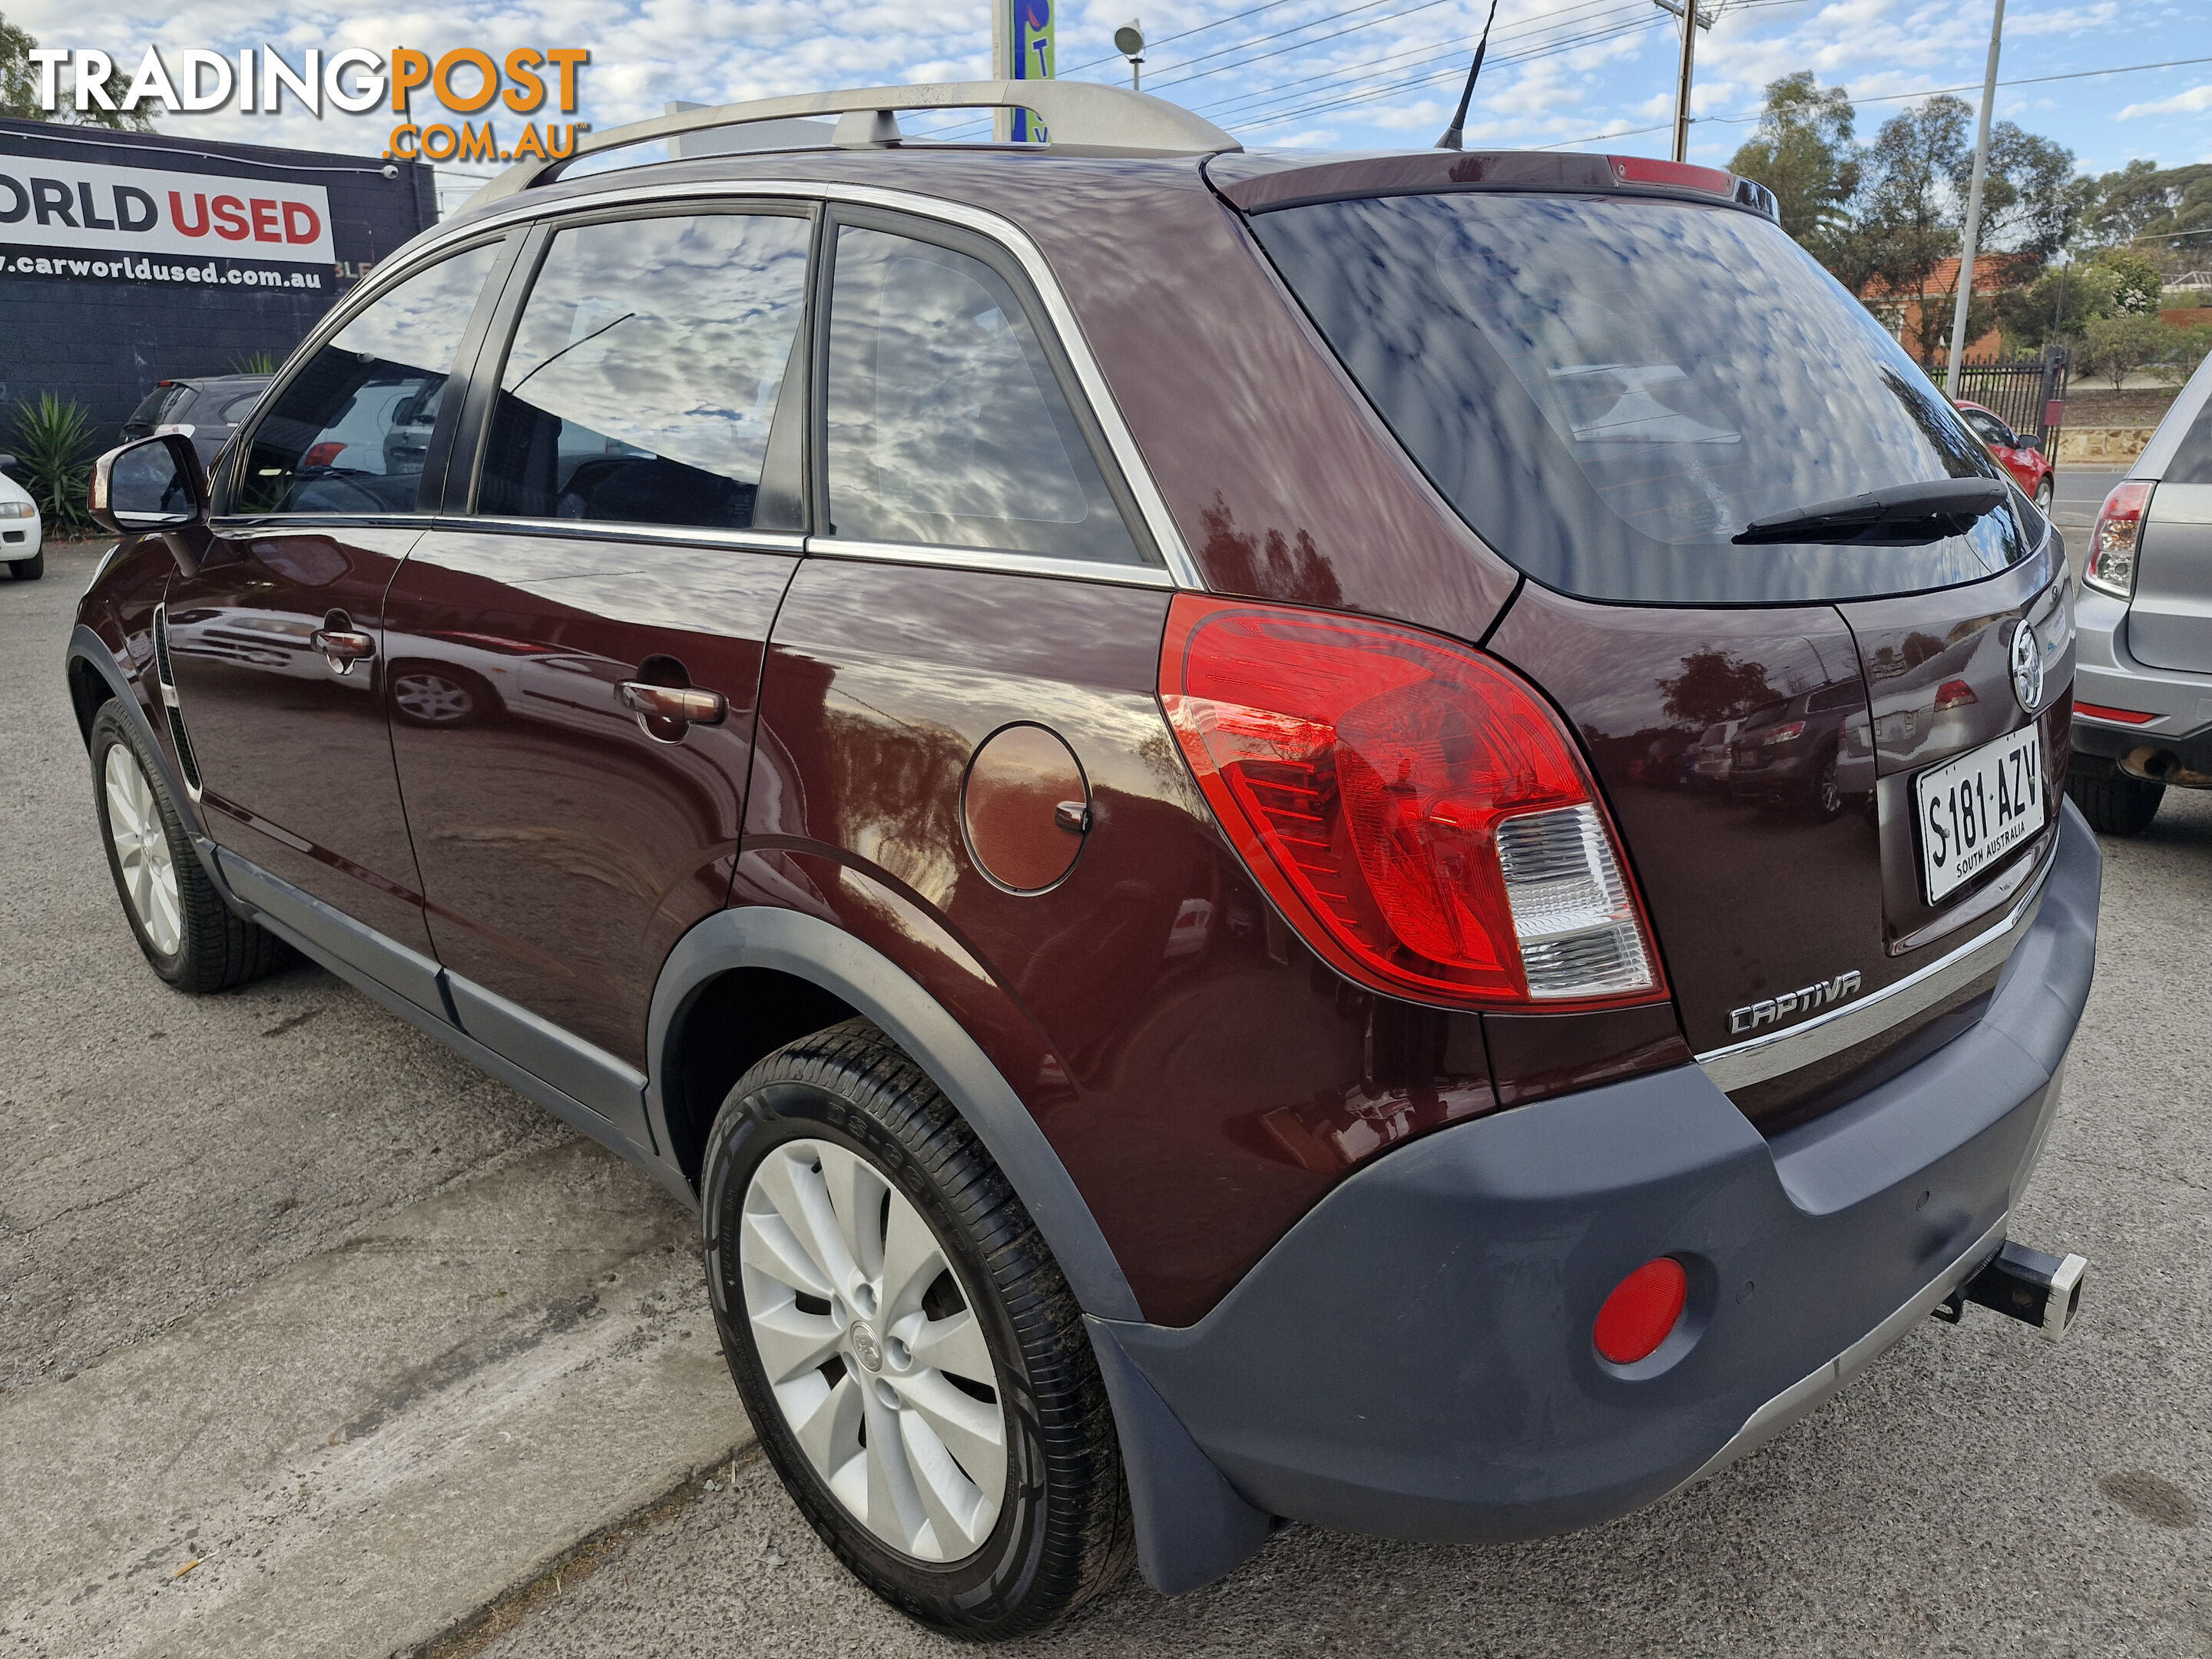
[
  {"x": 1681, "y": 9},
  {"x": 1967, "y": 248}
]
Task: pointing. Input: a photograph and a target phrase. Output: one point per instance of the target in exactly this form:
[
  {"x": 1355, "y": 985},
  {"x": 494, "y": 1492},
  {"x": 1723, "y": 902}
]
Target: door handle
[
  {"x": 672, "y": 707},
  {"x": 344, "y": 647}
]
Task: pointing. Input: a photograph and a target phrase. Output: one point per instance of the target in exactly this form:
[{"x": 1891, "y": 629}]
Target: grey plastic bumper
[{"x": 1414, "y": 1358}]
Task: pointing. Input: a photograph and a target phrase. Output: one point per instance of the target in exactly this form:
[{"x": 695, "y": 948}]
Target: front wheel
[
  {"x": 910, "y": 1355},
  {"x": 188, "y": 933},
  {"x": 30, "y": 569},
  {"x": 2045, "y": 493}
]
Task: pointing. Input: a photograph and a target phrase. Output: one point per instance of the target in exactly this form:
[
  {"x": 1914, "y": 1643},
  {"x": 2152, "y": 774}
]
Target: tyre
[
  {"x": 2114, "y": 803},
  {"x": 912, "y": 1359},
  {"x": 179, "y": 920},
  {"x": 2045, "y": 493},
  {"x": 30, "y": 569}
]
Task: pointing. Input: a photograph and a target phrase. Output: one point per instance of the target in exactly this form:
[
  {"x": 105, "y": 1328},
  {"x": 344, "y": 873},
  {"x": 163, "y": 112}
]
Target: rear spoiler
[{"x": 1431, "y": 171}]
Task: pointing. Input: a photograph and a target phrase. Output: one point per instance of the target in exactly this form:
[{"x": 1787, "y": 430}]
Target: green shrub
[{"x": 53, "y": 446}]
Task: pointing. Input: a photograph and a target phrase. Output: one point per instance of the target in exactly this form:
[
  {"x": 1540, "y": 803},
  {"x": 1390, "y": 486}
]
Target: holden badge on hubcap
[{"x": 865, "y": 1346}]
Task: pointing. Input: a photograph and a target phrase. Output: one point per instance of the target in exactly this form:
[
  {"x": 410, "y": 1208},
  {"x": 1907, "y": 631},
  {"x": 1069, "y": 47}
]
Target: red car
[
  {"x": 1081, "y": 745},
  {"x": 2020, "y": 456}
]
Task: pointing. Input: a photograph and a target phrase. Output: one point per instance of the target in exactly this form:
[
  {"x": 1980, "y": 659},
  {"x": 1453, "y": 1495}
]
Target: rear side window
[
  {"x": 1609, "y": 390},
  {"x": 2192, "y": 461},
  {"x": 350, "y": 433},
  {"x": 946, "y": 425},
  {"x": 644, "y": 378},
  {"x": 238, "y": 407}
]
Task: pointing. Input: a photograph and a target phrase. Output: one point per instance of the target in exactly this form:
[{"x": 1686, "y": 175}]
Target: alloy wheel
[
  {"x": 141, "y": 849},
  {"x": 873, "y": 1350}
]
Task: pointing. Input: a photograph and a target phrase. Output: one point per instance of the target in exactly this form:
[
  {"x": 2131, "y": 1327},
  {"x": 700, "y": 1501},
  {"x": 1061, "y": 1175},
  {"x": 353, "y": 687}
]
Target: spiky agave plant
[{"x": 54, "y": 448}]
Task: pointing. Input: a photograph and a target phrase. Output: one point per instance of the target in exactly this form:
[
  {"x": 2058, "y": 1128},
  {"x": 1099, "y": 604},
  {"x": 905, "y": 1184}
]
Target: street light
[{"x": 1129, "y": 41}]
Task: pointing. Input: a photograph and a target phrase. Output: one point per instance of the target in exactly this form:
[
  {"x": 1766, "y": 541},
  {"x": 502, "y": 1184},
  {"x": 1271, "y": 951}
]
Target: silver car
[{"x": 2142, "y": 688}]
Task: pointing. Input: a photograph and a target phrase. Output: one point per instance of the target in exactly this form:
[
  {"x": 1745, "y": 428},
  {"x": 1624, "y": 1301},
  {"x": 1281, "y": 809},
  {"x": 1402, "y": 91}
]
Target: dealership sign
[{"x": 131, "y": 213}]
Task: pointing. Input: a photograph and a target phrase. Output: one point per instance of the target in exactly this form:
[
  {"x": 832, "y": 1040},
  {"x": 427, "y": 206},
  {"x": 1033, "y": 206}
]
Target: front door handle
[
  {"x": 344, "y": 647},
  {"x": 663, "y": 711}
]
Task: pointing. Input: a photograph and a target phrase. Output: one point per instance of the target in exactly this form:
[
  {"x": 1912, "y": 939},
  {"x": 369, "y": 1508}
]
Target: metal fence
[{"x": 2028, "y": 394}]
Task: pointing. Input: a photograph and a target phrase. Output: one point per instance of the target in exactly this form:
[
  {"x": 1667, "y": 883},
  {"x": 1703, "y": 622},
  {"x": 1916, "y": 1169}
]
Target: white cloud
[{"x": 2182, "y": 103}]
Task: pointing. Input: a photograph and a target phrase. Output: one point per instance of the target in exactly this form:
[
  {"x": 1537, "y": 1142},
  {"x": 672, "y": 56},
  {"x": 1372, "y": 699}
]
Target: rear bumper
[
  {"x": 2106, "y": 673},
  {"x": 1414, "y": 1358}
]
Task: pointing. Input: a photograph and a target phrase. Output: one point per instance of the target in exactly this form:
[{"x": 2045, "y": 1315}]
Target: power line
[
  {"x": 1116, "y": 57},
  {"x": 1296, "y": 45},
  {"x": 1350, "y": 71}
]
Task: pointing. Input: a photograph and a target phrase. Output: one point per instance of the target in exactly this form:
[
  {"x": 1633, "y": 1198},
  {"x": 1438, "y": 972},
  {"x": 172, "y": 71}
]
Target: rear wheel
[
  {"x": 2045, "y": 493},
  {"x": 188, "y": 933},
  {"x": 911, "y": 1357},
  {"x": 1827, "y": 787},
  {"x": 2114, "y": 803},
  {"x": 30, "y": 569}
]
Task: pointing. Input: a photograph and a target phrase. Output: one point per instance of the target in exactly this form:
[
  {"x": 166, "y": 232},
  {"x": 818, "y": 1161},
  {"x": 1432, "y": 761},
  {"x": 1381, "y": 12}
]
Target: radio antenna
[{"x": 1451, "y": 138}]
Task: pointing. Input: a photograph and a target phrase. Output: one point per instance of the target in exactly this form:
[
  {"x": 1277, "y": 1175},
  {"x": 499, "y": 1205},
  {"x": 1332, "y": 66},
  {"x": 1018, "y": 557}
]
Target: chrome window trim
[
  {"x": 620, "y": 530},
  {"x": 1181, "y": 569},
  {"x": 985, "y": 558},
  {"x": 1740, "y": 1064}
]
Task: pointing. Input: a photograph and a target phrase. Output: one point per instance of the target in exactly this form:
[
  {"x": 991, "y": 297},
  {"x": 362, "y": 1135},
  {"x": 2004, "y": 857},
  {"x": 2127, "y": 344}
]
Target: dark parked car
[
  {"x": 207, "y": 409},
  {"x": 1061, "y": 765}
]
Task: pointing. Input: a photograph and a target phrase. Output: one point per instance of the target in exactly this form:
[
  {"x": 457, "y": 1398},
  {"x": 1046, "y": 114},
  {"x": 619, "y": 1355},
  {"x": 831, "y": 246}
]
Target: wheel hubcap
[
  {"x": 141, "y": 850},
  {"x": 871, "y": 1348},
  {"x": 428, "y": 698}
]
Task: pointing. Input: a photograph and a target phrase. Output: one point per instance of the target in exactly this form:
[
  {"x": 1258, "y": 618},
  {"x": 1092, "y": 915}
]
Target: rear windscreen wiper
[{"x": 1899, "y": 515}]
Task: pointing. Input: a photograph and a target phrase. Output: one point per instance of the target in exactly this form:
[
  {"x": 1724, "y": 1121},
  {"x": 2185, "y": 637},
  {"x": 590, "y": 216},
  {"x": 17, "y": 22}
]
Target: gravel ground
[{"x": 1977, "y": 1492}]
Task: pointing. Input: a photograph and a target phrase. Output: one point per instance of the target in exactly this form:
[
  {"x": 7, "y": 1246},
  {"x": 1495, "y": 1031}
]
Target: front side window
[
  {"x": 350, "y": 434},
  {"x": 945, "y": 423},
  {"x": 643, "y": 381}
]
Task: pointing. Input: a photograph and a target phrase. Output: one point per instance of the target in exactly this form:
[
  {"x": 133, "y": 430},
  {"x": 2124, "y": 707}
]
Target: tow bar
[{"x": 2024, "y": 1284}]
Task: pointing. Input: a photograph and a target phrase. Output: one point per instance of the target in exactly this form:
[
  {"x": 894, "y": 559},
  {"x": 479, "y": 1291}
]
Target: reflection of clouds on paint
[{"x": 669, "y": 334}]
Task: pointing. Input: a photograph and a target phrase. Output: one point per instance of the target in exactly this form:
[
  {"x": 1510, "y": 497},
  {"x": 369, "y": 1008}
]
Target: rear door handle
[
  {"x": 671, "y": 706},
  {"x": 344, "y": 647}
]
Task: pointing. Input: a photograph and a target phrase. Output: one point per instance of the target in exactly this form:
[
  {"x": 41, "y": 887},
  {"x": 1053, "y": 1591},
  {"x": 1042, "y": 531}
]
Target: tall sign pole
[
  {"x": 1967, "y": 248},
  {"x": 1021, "y": 50}
]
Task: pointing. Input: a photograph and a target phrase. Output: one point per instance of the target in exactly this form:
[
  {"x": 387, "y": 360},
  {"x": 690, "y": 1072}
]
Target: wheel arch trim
[{"x": 808, "y": 948}]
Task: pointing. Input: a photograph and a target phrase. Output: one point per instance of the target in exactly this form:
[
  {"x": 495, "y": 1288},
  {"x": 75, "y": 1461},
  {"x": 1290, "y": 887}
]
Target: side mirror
[{"x": 155, "y": 483}]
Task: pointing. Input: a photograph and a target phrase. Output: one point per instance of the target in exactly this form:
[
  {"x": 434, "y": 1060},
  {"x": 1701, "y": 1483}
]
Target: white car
[{"x": 22, "y": 535}]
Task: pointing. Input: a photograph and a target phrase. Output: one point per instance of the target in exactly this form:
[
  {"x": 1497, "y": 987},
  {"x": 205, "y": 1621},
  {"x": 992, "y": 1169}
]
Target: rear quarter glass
[{"x": 1608, "y": 391}]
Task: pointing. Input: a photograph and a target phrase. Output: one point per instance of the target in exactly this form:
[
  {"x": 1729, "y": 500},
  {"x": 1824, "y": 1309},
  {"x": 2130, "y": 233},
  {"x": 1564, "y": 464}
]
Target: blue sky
[{"x": 1584, "y": 73}]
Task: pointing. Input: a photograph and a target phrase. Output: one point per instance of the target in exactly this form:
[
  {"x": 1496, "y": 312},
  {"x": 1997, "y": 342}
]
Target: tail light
[
  {"x": 1788, "y": 732},
  {"x": 1954, "y": 694},
  {"x": 1642, "y": 1311},
  {"x": 2115, "y": 541},
  {"x": 1415, "y": 810}
]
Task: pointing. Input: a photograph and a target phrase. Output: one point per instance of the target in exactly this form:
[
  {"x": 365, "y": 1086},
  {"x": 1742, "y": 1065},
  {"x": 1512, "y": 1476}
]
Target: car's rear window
[
  {"x": 1609, "y": 390},
  {"x": 2192, "y": 458}
]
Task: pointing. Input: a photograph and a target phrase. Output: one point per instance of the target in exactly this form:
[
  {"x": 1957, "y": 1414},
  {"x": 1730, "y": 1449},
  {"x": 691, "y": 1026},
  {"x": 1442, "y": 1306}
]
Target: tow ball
[{"x": 2024, "y": 1284}]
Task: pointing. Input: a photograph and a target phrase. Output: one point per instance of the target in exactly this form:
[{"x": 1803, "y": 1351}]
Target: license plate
[{"x": 1976, "y": 809}]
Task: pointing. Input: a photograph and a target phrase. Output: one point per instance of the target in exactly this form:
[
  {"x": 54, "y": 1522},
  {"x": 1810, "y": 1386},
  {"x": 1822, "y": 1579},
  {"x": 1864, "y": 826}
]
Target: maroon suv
[{"x": 1060, "y": 739}]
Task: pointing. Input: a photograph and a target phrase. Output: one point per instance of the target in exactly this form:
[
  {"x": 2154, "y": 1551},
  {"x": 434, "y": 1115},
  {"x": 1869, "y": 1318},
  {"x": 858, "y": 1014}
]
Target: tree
[
  {"x": 2143, "y": 203},
  {"x": 1714, "y": 685},
  {"x": 1803, "y": 151},
  {"x": 2059, "y": 305},
  {"x": 2190, "y": 348},
  {"x": 2135, "y": 283},
  {"x": 2118, "y": 346},
  {"x": 19, "y": 90},
  {"x": 1904, "y": 229}
]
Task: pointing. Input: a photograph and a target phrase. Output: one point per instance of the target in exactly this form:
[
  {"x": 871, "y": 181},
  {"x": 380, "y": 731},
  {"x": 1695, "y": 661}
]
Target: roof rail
[{"x": 1075, "y": 112}]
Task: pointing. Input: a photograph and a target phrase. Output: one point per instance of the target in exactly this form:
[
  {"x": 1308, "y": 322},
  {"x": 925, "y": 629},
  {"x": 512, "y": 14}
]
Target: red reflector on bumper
[
  {"x": 1642, "y": 1311},
  {"x": 2097, "y": 711}
]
